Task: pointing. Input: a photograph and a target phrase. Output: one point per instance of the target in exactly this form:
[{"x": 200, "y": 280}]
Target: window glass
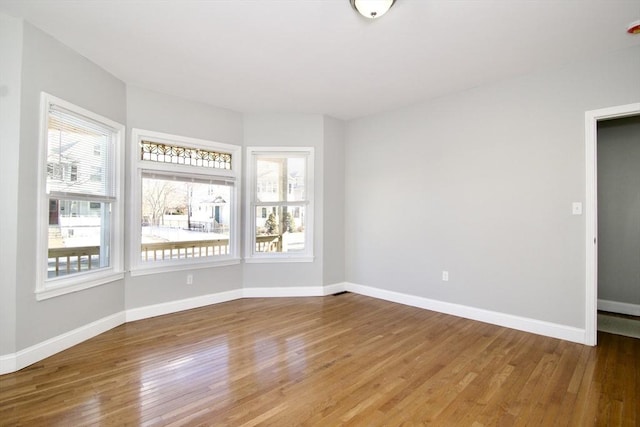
[
  {"x": 72, "y": 165},
  {"x": 77, "y": 240},
  {"x": 186, "y": 208},
  {"x": 184, "y": 219},
  {"x": 280, "y": 179},
  {"x": 284, "y": 226},
  {"x": 281, "y": 201},
  {"x": 81, "y": 238}
]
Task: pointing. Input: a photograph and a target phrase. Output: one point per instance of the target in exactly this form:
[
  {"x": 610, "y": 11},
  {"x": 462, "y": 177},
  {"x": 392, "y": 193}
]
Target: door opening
[{"x": 591, "y": 211}]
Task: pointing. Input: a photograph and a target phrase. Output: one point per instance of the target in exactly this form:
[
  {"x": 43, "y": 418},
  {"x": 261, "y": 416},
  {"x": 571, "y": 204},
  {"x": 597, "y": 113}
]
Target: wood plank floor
[{"x": 326, "y": 361}]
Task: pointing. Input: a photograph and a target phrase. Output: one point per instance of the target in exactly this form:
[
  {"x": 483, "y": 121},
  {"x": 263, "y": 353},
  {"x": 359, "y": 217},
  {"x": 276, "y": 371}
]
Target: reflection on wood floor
[{"x": 326, "y": 361}]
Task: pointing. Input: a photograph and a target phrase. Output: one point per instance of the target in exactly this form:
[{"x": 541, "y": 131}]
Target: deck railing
[
  {"x": 67, "y": 260},
  {"x": 189, "y": 249},
  {"x": 269, "y": 243},
  {"x": 72, "y": 260}
]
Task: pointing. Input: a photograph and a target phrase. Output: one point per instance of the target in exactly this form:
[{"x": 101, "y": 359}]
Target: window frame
[
  {"x": 140, "y": 167},
  {"x": 52, "y": 287},
  {"x": 252, "y": 203}
]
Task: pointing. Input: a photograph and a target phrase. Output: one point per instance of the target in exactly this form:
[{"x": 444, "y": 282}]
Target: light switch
[{"x": 576, "y": 208}]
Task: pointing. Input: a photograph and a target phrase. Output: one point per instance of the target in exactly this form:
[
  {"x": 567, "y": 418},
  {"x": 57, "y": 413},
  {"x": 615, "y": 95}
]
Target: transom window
[
  {"x": 80, "y": 243},
  {"x": 185, "y": 202},
  {"x": 164, "y": 153}
]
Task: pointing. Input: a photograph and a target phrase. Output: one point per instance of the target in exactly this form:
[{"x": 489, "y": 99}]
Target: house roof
[{"x": 320, "y": 56}]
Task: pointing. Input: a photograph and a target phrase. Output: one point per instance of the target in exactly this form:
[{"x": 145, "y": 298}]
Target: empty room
[{"x": 320, "y": 212}]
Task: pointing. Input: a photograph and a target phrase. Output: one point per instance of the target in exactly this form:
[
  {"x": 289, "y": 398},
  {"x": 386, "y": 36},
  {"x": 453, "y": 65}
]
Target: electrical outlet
[
  {"x": 576, "y": 208},
  {"x": 189, "y": 279},
  {"x": 445, "y": 276}
]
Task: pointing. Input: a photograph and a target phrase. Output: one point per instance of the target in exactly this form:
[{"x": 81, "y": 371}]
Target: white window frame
[
  {"x": 140, "y": 167},
  {"x": 251, "y": 256},
  {"x": 51, "y": 287}
]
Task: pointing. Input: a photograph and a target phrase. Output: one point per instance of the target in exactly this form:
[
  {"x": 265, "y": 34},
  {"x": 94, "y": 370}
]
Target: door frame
[{"x": 591, "y": 210}]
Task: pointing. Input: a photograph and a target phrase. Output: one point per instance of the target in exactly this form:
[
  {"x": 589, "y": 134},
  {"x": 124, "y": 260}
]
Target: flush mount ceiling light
[{"x": 372, "y": 8}]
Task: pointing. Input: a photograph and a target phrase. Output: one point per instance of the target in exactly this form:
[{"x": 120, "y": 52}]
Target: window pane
[
  {"x": 282, "y": 230},
  {"x": 78, "y": 155},
  {"x": 280, "y": 179},
  {"x": 78, "y": 236},
  {"x": 184, "y": 219}
]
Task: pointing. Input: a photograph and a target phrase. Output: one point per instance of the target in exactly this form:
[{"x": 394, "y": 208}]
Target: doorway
[{"x": 592, "y": 118}]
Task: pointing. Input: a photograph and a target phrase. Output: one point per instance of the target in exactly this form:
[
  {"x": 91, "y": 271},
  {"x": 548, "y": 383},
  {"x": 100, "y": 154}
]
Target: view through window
[
  {"x": 81, "y": 191},
  {"x": 281, "y": 200},
  {"x": 187, "y": 208}
]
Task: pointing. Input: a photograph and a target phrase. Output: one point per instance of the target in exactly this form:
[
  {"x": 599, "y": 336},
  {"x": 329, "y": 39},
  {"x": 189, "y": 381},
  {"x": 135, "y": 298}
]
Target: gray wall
[
  {"x": 163, "y": 113},
  {"x": 480, "y": 183},
  {"x": 49, "y": 66},
  {"x": 10, "y": 70},
  {"x": 333, "y": 178},
  {"x": 619, "y": 210},
  {"x": 303, "y": 130}
]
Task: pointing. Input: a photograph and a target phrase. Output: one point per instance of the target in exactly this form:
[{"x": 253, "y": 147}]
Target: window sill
[
  {"x": 278, "y": 259},
  {"x": 166, "y": 267},
  {"x": 78, "y": 284}
]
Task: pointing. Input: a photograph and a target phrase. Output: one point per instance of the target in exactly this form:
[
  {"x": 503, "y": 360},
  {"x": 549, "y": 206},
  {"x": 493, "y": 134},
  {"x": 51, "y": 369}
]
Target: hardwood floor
[{"x": 326, "y": 361}]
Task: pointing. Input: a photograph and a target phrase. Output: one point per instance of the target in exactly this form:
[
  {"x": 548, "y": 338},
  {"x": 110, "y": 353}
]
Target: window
[
  {"x": 186, "y": 213},
  {"x": 280, "y": 201},
  {"x": 80, "y": 240}
]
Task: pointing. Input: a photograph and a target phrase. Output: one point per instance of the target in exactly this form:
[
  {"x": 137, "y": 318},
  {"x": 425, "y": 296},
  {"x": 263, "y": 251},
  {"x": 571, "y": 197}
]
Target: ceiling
[{"x": 320, "y": 56}]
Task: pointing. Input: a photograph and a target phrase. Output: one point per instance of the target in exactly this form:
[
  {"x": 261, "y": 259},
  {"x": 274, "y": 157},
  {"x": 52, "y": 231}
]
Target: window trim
[
  {"x": 139, "y": 167},
  {"x": 52, "y": 287},
  {"x": 250, "y": 256}
]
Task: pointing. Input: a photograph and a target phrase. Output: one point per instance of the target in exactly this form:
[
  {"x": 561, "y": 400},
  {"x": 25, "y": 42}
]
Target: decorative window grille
[{"x": 164, "y": 153}]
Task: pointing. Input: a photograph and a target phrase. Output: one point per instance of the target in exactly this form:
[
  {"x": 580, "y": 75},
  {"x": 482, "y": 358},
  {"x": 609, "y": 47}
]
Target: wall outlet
[
  {"x": 445, "y": 276},
  {"x": 576, "y": 208},
  {"x": 189, "y": 279}
]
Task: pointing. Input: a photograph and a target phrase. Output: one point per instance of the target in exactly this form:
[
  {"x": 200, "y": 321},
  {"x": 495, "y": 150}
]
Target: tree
[
  {"x": 289, "y": 223},
  {"x": 158, "y": 195},
  {"x": 271, "y": 224}
]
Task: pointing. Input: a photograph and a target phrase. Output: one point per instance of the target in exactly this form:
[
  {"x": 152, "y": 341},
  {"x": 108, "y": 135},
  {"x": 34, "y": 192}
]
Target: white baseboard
[
  {"x": 15, "y": 361},
  {"x": 619, "y": 307},
  {"x": 335, "y": 288},
  {"x": 23, "y": 358},
  {"x": 181, "y": 305},
  {"x": 534, "y": 326},
  {"x": 295, "y": 291},
  {"x": 203, "y": 300}
]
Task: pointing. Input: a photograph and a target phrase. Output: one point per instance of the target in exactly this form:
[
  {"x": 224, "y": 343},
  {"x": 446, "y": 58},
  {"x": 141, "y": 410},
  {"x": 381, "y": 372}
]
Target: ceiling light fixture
[
  {"x": 634, "y": 28},
  {"x": 372, "y": 8}
]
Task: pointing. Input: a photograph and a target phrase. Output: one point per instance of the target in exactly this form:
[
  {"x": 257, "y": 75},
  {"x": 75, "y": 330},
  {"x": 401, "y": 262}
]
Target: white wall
[
  {"x": 480, "y": 183},
  {"x": 164, "y": 113},
  {"x": 49, "y": 66},
  {"x": 10, "y": 71},
  {"x": 619, "y": 211}
]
